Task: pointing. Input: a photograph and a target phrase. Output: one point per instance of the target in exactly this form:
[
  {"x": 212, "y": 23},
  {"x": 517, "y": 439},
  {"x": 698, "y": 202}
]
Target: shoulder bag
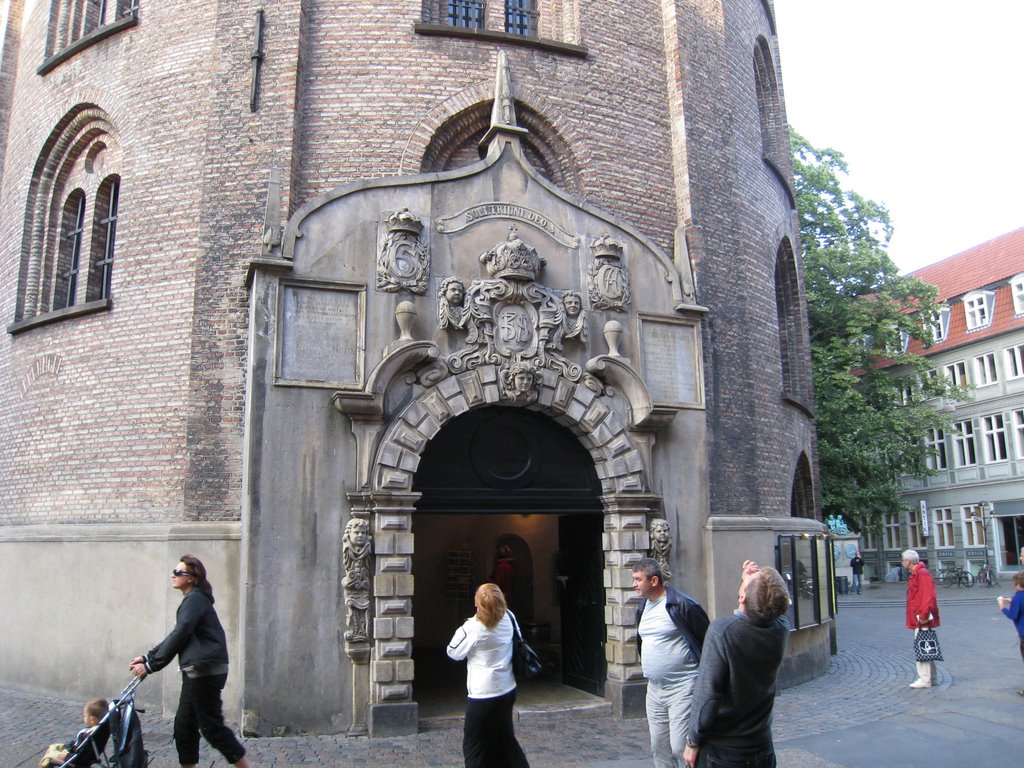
[{"x": 526, "y": 663}]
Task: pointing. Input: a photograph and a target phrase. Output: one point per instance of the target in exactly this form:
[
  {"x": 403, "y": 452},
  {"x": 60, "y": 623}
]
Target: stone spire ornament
[{"x": 503, "y": 113}]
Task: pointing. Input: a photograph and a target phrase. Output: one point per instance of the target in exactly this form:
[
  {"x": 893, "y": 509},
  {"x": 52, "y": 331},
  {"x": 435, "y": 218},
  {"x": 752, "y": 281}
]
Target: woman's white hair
[{"x": 911, "y": 556}]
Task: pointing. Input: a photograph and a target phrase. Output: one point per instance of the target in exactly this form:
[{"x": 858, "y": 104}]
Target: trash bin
[{"x": 843, "y": 585}]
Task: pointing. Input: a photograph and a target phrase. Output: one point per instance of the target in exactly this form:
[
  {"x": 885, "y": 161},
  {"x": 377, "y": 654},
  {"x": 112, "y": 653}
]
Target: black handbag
[
  {"x": 926, "y": 646},
  {"x": 526, "y": 664}
]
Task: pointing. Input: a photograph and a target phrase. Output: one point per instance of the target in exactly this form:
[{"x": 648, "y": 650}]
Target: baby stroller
[{"x": 121, "y": 730}]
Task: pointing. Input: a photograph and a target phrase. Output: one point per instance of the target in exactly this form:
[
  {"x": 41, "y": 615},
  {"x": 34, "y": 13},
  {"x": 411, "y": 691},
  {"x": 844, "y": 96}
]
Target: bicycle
[
  {"x": 957, "y": 576},
  {"x": 987, "y": 575}
]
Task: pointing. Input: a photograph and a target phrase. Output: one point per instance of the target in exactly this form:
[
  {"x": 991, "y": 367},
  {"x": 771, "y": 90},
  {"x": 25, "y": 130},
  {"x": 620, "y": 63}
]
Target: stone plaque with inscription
[
  {"x": 671, "y": 367},
  {"x": 321, "y": 336}
]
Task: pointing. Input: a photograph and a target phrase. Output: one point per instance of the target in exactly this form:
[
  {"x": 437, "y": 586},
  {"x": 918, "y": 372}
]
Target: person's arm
[
  {"x": 192, "y": 608},
  {"x": 1015, "y": 609},
  {"x": 462, "y": 641}
]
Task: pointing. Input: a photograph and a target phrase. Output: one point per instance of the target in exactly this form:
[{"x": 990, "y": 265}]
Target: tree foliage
[{"x": 860, "y": 312}]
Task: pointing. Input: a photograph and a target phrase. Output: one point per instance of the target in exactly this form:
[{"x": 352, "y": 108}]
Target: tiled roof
[
  {"x": 977, "y": 267},
  {"x": 986, "y": 266}
]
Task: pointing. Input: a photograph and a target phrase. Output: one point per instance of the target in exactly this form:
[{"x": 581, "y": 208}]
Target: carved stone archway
[{"x": 601, "y": 423}]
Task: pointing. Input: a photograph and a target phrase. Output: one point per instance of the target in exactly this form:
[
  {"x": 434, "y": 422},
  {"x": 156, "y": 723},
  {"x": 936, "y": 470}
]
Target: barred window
[
  {"x": 104, "y": 230},
  {"x": 521, "y": 18},
  {"x": 468, "y": 14},
  {"x": 70, "y": 250},
  {"x": 78, "y": 23},
  {"x": 72, "y": 211}
]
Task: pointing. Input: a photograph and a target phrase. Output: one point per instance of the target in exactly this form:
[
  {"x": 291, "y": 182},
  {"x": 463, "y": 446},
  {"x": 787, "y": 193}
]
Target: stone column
[
  {"x": 392, "y": 711},
  {"x": 626, "y": 540}
]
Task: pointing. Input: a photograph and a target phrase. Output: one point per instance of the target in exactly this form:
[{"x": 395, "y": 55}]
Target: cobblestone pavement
[{"x": 862, "y": 696}]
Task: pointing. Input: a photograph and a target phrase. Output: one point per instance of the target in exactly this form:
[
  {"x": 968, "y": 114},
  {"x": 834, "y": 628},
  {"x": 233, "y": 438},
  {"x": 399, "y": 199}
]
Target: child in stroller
[
  {"x": 87, "y": 741},
  {"x": 117, "y": 724}
]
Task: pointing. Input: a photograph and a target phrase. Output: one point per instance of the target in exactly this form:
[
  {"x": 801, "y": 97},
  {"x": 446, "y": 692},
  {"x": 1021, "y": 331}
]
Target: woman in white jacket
[{"x": 485, "y": 641}]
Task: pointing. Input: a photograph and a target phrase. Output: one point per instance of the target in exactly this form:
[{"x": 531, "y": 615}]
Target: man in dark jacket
[
  {"x": 733, "y": 699},
  {"x": 670, "y": 634}
]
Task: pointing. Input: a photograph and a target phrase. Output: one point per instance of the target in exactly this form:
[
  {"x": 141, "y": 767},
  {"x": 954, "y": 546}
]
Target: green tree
[{"x": 860, "y": 312}]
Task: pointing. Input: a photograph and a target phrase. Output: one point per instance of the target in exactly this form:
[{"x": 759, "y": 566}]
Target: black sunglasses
[{"x": 176, "y": 572}]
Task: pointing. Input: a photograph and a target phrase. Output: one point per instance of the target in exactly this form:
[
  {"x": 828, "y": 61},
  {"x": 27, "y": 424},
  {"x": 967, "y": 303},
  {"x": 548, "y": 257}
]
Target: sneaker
[{"x": 920, "y": 684}]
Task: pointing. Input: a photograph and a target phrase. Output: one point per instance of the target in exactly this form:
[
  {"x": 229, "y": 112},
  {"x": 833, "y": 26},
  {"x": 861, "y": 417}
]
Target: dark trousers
[
  {"x": 200, "y": 711},
  {"x": 718, "y": 756},
  {"x": 488, "y": 739}
]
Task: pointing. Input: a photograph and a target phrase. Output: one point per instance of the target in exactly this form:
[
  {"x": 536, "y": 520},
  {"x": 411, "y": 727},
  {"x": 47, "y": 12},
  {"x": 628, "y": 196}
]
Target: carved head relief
[{"x": 520, "y": 382}]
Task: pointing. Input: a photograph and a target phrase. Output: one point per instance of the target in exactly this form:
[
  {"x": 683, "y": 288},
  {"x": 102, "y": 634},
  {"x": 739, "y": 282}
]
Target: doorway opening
[{"x": 511, "y": 497}]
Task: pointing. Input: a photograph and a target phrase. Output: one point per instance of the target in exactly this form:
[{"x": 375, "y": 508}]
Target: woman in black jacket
[{"x": 198, "y": 641}]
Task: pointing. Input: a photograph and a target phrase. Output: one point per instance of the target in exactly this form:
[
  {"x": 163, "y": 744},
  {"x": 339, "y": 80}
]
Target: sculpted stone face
[
  {"x": 572, "y": 304},
  {"x": 522, "y": 380},
  {"x": 454, "y": 294}
]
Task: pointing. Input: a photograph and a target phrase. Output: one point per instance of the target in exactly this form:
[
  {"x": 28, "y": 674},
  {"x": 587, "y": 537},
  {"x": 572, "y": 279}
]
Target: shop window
[{"x": 805, "y": 562}]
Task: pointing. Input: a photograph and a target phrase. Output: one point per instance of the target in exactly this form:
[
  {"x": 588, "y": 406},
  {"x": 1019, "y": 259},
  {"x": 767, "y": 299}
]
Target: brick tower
[{"x": 269, "y": 267}]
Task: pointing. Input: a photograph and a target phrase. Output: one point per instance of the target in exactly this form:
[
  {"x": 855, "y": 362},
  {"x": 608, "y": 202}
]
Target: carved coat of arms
[
  {"x": 404, "y": 261},
  {"x": 511, "y": 320}
]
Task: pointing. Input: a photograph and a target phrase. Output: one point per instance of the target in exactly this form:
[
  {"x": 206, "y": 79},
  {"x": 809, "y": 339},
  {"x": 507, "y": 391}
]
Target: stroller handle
[{"x": 129, "y": 689}]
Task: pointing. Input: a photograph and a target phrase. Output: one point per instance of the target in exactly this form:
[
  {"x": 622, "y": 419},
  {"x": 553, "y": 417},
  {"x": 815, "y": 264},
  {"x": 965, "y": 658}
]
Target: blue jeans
[
  {"x": 718, "y": 756},
  {"x": 856, "y": 582}
]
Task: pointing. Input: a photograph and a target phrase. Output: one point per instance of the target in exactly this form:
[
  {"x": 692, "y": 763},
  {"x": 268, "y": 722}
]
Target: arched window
[
  {"x": 457, "y": 143},
  {"x": 67, "y": 251},
  {"x": 769, "y": 106},
  {"x": 792, "y": 346},
  {"x": 801, "y": 500},
  {"x": 104, "y": 230}
]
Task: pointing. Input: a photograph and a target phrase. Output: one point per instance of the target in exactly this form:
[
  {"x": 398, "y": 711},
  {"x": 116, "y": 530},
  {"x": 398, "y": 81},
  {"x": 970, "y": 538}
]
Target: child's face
[{"x": 89, "y": 720}]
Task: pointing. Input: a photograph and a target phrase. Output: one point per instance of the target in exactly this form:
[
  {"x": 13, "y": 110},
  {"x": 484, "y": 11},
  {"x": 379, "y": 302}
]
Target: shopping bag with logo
[{"x": 926, "y": 646}]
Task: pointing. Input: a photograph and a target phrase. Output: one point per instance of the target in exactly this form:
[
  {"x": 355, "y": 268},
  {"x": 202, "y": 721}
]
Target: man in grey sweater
[{"x": 731, "y": 710}]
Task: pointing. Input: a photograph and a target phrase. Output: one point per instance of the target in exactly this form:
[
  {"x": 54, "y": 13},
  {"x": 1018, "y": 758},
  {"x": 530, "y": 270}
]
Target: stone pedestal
[
  {"x": 629, "y": 700},
  {"x": 399, "y": 719}
]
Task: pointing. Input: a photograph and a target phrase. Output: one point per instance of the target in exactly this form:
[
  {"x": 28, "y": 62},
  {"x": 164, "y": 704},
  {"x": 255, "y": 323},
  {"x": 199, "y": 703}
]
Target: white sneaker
[{"x": 920, "y": 684}]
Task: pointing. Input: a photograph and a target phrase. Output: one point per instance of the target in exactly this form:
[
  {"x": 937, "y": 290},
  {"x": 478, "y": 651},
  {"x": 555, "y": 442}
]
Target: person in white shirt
[{"x": 485, "y": 641}]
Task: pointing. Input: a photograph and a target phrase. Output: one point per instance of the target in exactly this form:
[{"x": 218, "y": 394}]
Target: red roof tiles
[{"x": 986, "y": 266}]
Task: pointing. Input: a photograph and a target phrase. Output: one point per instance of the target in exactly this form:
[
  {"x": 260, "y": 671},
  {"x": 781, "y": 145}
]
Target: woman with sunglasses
[{"x": 199, "y": 643}]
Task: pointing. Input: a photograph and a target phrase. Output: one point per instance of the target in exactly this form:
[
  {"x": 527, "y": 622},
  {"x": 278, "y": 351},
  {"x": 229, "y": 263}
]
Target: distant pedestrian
[
  {"x": 922, "y": 611},
  {"x": 670, "y": 634},
  {"x": 857, "y": 564},
  {"x": 485, "y": 641},
  {"x": 1013, "y": 609},
  {"x": 730, "y": 722}
]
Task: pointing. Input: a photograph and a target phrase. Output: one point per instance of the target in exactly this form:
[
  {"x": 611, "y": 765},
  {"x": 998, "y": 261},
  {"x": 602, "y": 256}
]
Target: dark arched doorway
[{"x": 503, "y": 491}]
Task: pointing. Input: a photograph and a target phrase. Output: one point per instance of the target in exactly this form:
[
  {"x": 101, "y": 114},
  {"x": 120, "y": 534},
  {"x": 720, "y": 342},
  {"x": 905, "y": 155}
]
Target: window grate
[
  {"x": 467, "y": 14},
  {"x": 521, "y": 18}
]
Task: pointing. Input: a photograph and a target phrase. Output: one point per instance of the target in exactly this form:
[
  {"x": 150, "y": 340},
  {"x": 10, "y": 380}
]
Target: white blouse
[{"x": 489, "y": 657}]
